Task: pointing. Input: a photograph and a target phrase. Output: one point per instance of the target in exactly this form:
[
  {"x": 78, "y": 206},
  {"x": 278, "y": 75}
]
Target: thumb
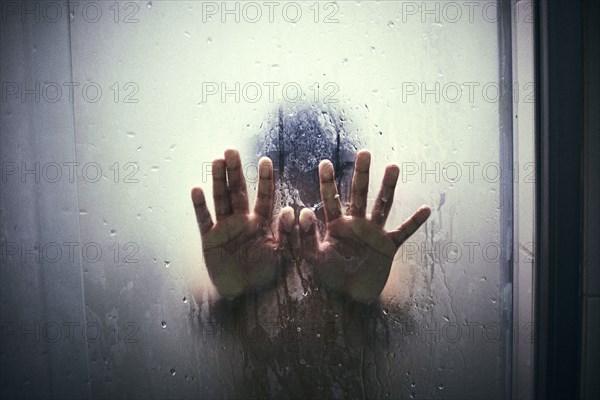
[
  {"x": 309, "y": 236},
  {"x": 287, "y": 234}
]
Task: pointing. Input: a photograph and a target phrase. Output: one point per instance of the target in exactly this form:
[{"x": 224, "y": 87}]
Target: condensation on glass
[{"x": 179, "y": 86}]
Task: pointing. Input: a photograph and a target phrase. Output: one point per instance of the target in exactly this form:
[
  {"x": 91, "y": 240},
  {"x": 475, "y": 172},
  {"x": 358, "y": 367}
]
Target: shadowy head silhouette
[{"x": 297, "y": 139}]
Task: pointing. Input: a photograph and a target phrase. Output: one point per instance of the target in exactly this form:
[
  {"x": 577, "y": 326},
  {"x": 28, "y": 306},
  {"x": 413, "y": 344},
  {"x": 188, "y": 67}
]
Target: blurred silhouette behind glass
[
  {"x": 297, "y": 340},
  {"x": 296, "y": 140}
]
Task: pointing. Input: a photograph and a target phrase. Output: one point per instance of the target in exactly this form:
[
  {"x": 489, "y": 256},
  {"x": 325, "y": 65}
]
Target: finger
[
  {"x": 220, "y": 190},
  {"x": 202, "y": 214},
  {"x": 329, "y": 194},
  {"x": 266, "y": 189},
  {"x": 236, "y": 182},
  {"x": 285, "y": 230},
  {"x": 410, "y": 226},
  {"x": 309, "y": 235},
  {"x": 385, "y": 198},
  {"x": 360, "y": 184}
]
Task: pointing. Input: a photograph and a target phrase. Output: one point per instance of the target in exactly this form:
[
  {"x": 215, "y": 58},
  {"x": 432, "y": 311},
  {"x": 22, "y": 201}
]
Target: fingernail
[{"x": 264, "y": 169}]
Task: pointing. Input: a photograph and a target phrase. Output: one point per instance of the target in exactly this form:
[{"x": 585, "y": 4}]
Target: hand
[
  {"x": 240, "y": 250},
  {"x": 356, "y": 254}
]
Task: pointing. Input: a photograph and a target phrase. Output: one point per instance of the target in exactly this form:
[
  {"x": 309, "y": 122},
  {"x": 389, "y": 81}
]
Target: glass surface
[
  {"x": 166, "y": 86},
  {"x": 395, "y": 78}
]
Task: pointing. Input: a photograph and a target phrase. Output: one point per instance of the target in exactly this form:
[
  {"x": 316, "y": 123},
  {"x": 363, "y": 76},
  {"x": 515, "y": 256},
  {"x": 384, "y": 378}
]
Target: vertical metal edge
[
  {"x": 524, "y": 209},
  {"x": 541, "y": 250},
  {"x": 506, "y": 189}
]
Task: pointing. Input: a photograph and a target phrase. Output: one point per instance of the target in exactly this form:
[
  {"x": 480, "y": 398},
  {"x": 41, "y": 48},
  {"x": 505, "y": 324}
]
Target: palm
[
  {"x": 240, "y": 246},
  {"x": 240, "y": 250},
  {"x": 356, "y": 254}
]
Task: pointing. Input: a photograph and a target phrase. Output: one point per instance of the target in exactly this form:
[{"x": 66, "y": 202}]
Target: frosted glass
[{"x": 163, "y": 117}]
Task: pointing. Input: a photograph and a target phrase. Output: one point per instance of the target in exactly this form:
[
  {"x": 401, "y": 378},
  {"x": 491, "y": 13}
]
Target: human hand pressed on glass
[
  {"x": 354, "y": 257},
  {"x": 241, "y": 250}
]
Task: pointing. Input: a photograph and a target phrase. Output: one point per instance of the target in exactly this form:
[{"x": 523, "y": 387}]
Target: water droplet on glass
[
  {"x": 163, "y": 324},
  {"x": 413, "y": 384},
  {"x": 113, "y": 232},
  {"x": 385, "y": 312},
  {"x": 130, "y": 134},
  {"x": 441, "y": 386},
  {"x": 83, "y": 212},
  {"x": 154, "y": 168},
  {"x": 186, "y": 33},
  {"x": 337, "y": 196},
  {"x": 149, "y": 4},
  {"x": 167, "y": 264},
  {"x": 173, "y": 371},
  {"x": 391, "y": 24},
  {"x": 302, "y": 361},
  {"x": 298, "y": 329},
  {"x": 185, "y": 300},
  {"x": 208, "y": 40},
  {"x": 318, "y": 335}
]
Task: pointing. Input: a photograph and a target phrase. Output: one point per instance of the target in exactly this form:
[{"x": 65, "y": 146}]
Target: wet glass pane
[
  {"x": 164, "y": 87},
  {"x": 188, "y": 79}
]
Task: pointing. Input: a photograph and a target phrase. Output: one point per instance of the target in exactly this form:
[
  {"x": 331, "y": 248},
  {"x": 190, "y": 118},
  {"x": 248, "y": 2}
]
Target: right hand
[
  {"x": 241, "y": 250},
  {"x": 356, "y": 255}
]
